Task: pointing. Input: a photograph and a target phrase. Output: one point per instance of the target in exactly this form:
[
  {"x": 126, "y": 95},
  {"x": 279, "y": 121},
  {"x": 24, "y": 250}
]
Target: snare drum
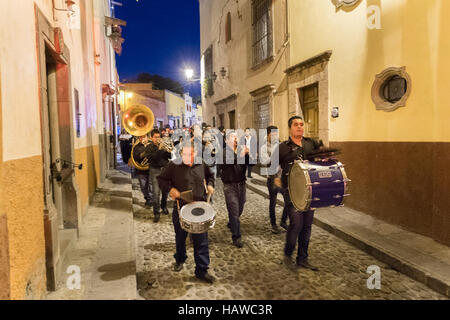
[
  {"x": 197, "y": 217},
  {"x": 315, "y": 185}
]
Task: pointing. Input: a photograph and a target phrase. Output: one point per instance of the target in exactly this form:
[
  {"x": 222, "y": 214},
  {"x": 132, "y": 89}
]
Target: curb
[{"x": 410, "y": 269}]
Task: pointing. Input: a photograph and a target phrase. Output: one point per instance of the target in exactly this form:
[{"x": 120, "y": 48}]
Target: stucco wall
[
  {"x": 88, "y": 178},
  {"x": 413, "y": 34},
  {"x": 236, "y": 57},
  {"x": 22, "y": 203}
]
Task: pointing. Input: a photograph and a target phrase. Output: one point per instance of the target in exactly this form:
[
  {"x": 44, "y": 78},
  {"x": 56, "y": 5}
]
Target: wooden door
[{"x": 310, "y": 107}]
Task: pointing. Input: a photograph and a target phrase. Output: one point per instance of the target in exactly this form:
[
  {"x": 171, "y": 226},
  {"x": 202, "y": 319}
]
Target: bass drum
[
  {"x": 315, "y": 185},
  {"x": 197, "y": 217}
]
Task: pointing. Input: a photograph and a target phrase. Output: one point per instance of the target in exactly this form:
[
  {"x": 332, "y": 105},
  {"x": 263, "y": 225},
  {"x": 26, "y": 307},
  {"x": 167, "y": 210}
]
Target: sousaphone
[{"x": 138, "y": 120}]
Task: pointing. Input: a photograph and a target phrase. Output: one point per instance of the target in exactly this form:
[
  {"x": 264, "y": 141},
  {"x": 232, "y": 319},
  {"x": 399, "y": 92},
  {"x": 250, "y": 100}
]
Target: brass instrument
[
  {"x": 166, "y": 144},
  {"x": 138, "y": 121}
]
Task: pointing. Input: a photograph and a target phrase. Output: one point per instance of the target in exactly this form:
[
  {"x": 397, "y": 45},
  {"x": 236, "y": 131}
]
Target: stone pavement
[
  {"x": 257, "y": 271},
  {"x": 419, "y": 257},
  {"x": 105, "y": 250}
]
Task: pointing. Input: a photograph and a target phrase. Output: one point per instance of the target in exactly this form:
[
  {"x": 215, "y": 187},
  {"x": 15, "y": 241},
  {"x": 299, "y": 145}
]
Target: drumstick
[{"x": 178, "y": 205}]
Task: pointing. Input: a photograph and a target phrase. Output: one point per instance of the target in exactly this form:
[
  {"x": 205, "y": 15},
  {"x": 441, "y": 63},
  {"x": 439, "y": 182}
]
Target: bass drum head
[{"x": 298, "y": 190}]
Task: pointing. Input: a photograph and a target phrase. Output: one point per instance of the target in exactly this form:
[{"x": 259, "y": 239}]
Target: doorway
[
  {"x": 232, "y": 117},
  {"x": 309, "y": 101}
]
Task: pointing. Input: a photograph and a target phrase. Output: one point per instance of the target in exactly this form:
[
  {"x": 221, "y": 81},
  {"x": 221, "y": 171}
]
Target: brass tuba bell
[{"x": 138, "y": 120}]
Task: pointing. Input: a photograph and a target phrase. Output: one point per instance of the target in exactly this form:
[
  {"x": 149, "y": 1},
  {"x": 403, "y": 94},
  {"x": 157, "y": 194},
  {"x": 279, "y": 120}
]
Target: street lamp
[{"x": 189, "y": 74}]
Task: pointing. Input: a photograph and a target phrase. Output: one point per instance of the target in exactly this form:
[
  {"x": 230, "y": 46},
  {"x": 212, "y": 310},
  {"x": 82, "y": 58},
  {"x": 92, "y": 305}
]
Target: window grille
[{"x": 262, "y": 31}]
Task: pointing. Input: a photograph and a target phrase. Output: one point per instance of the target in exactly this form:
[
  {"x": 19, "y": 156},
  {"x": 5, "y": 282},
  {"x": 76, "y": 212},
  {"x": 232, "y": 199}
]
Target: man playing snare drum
[
  {"x": 177, "y": 178},
  {"x": 299, "y": 230}
]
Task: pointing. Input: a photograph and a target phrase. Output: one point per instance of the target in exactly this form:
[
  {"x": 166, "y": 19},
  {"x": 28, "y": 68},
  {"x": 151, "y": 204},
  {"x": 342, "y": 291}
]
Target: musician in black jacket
[
  {"x": 158, "y": 159},
  {"x": 235, "y": 159},
  {"x": 140, "y": 152},
  {"x": 299, "y": 230},
  {"x": 177, "y": 178}
]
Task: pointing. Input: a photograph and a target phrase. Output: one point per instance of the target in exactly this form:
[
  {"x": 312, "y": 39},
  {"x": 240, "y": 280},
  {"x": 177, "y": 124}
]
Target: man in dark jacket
[
  {"x": 158, "y": 159},
  {"x": 177, "y": 178},
  {"x": 140, "y": 152},
  {"x": 234, "y": 183},
  {"x": 299, "y": 230}
]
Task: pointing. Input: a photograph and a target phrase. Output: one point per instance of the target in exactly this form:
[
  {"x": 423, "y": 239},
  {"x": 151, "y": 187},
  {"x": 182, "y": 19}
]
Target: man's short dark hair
[
  {"x": 154, "y": 131},
  {"x": 291, "y": 119},
  {"x": 270, "y": 128},
  {"x": 221, "y": 128}
]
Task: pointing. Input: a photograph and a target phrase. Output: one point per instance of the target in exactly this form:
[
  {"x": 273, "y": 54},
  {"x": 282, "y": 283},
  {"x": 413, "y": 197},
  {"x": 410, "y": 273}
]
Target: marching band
[{"x": 301, "y": 169}]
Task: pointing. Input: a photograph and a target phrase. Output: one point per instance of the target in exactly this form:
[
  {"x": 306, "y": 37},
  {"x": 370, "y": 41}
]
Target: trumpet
[{"x": 166, "y": 144}]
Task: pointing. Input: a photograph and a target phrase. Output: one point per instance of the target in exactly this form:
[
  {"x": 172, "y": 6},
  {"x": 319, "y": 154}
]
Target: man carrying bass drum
[{"x": 299, "y": 230}]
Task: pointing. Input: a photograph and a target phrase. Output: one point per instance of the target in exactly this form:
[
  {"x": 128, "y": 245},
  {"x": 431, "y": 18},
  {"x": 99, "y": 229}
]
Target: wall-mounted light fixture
[{"x": 223, "y": 72}]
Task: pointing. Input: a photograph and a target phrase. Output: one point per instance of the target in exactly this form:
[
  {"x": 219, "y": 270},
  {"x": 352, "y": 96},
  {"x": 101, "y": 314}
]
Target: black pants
[
  {"x": 249, "y": 168},
  {"x": 201, "y": 249},
  {"x": 273, "y": 192},
  {"x": 235, "y": 196},
  {"x": 299, "y": 231},
  {"x": 144, "y": 183},
  {"x": 157, "y": 205}
]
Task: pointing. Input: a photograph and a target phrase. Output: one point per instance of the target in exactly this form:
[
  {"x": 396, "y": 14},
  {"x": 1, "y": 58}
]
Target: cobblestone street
[{"x": 257, "y": 270}]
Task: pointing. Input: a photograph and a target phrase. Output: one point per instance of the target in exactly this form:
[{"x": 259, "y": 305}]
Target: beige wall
[
  {"x": 236, "y": 57},
  {"x": 414, "y": 34},
  {"x": 21, "y": 160}
]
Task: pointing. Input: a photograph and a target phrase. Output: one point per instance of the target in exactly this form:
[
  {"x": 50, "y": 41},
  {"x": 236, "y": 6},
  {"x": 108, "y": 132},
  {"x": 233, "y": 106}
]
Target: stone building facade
[
  {"x": 368, "y": 76},
  {"x": 58, "y": 86}
]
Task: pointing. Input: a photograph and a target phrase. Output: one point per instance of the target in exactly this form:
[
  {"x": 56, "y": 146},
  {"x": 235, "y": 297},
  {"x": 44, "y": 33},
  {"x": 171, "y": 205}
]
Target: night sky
[{"x": 161, "y": 37}]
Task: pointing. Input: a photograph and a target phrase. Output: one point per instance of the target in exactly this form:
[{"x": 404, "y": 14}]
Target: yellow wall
[
  {"x": 174, "y": 104},
  {"x": 87, "y": 179},
  {"x": 21, "y": 162},
  {"x": 22, "y": 202},
  {"x": 413, "y": 34}
]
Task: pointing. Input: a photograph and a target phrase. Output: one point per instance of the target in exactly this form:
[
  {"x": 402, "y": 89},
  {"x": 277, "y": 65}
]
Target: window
[
  {"x": 262, "y": 31},
  {"x": 214, "y": 122},
  {"x": 77, "y": 113},
  {"x": 228, "y": 28},
  {"x": 391, "y": 89},
  {"x": 209, "y": 72}
]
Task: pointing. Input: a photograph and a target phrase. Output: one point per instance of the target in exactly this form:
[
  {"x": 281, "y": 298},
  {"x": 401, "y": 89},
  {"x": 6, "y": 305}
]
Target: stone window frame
[
  {"x": 223, "y": 107},
  {"x": 263, "y": 95},
  {"x": 380, "y": 102},
  {"x": 255, "y": 63}
]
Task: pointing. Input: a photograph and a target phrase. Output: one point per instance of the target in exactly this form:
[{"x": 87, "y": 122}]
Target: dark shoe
[
  {"x": 275, "y": 229},
  {"x": 289, "y": 263},
  {"x": 238, "y": 243},
  {"x": 206, "y": 277},
  {"x": 305, "y": 264},
  {"x": 165, "y": 211},
  {"x": 284, "y": 225},
  {"x": 177, "y": 267},
  {"x": 156, "y": 218}
]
